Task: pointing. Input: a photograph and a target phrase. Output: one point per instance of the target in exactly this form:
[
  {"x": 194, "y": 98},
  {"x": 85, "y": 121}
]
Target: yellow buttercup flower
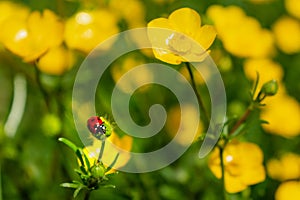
[
  {"x": 12, "y": 10},
  {"x": 288, "y": 191},
  {"x": 260, "y": 1},
  {"x": 281, "y": 111},
  {"x": 87, "y": 29},
  {"x": 283, "y": 114},
  {"x": 129, "y": 62},
  {"x": 265, "y": 67},
  {"x": 293, "y": 7},
  {"x": 243, "y": 163},
  {"x": 287, "y": 31},
  {"x": 111, "y": 150},
  {"x": 56, "y": 61},
  {"x": 31, "y": 37},
  {"x": 134, "y": 14},
  {"x": 285, "y": 168},
  {"x": 241, "y": 35},
  {"x": 175, "y": 118},
  {"x": 180, "y": 37}
]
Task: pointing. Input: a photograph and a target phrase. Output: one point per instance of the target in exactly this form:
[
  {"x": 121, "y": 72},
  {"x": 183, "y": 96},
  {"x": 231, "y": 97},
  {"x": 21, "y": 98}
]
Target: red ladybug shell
[{"x": 93, "y": 123}]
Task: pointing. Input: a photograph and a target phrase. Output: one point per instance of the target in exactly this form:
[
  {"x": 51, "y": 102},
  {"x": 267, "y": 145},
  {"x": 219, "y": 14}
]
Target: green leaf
[
  {"x": 80, "y": 155},
  {"x": 76, "y": 192},
  {"x": 68, "y": 143},
  {"x": 78, "y": 151},
  {"x": 70, "y": 185},
  {"x": 87, "y": 161},
  {"x": 238, "y": 131},
  {"x": 109, "y": 186},
  {"x": 113, "y": 163},
  {"x": 264, "y": 121}
]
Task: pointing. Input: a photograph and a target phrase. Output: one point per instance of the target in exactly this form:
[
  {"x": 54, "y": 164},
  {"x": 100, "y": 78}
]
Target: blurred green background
[{"x": 33, "y": 163}]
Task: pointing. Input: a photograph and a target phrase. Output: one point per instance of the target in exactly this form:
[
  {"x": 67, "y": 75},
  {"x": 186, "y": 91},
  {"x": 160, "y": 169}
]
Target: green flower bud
[
  {"x": 270, "y": 88},
  {"x": 98, "y": 171}
]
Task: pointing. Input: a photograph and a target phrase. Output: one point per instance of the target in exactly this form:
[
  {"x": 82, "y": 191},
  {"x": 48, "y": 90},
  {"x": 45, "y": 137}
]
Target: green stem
[
  {"x": 41, "y": 87},
  {"x": 223, "y": 172},
  {"x": 201, "y": 104},
  {"x": 87, "y": 195},
  {"x": 243, "y": 118},
  {"x": 101, "y": 150}
]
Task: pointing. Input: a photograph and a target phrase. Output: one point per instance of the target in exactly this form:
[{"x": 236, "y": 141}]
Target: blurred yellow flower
[
  {"x": 56, "y": 61},
  {"x": 241, "y": 35},
  {"x": 12, "y": 10},
  {"x": 111, "y": 150},
  {"x": 243, "y": 163},
  {"x": 181, "y": 38},
  {"x": 134, "y": 14},
  {"x": 288, "y": 191},
  {"x": 130, "y": 62},
  {"x": 260, "y": 1},
  {"x": 265, "y": 67},
  {"x": 174, "y": 119},
  {"x": 87, "y": 29},
  {"x": 31, "y": 37},
  {"x": 285, "y": 168},
  {"x": 287, "y": 34},
  {"x": 293, "y": 7},
  {"x": 283, "y": 114},
  {"x": 281, "y": 111}
]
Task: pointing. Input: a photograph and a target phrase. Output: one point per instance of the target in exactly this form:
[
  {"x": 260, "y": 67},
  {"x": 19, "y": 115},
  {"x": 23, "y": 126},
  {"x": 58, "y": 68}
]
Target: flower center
[{"x": 179, "y": 43}]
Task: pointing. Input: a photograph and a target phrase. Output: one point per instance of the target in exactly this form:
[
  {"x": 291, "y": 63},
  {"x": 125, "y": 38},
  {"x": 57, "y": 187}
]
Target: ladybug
[{"x": 96, "y": 126}]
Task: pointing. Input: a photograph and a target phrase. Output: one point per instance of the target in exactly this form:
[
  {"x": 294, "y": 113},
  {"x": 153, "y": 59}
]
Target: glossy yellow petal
[
  {"x": 186, "y": 20},
  {"x": 15, "y": 36},
  {"x": 167, "y": 57},
  {"x": 178, "y": 42},
  {"x": 206, "y": 36}
]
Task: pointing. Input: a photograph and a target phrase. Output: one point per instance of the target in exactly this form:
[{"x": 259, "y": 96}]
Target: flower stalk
[
  {"x": 200, "y": 101},
  {"x": 101, "y": 150}
]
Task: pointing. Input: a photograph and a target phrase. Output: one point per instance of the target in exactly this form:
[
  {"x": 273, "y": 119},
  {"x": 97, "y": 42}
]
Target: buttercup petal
[
  {"x": 206, "y": 36},
  {"x": 186, "y": 20}
]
